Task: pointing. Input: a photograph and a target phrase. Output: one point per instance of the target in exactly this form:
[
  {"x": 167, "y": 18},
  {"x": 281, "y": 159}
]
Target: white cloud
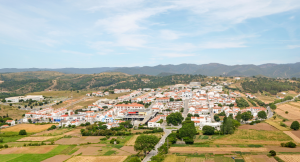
[
  {"x": 169, "y": 35},
  {"x": 293, "y": 46},
  {"x": 236, "y": 10},
  {"x": 292, "y": 17}
]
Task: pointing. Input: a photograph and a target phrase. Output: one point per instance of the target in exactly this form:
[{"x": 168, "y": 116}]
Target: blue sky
[{"x": 117, "y": 33}]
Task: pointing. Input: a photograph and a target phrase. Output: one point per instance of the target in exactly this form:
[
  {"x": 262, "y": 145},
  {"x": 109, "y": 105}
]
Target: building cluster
[
  {"x": 24, "y": 98},
  {"x": 201, "y": 101}
]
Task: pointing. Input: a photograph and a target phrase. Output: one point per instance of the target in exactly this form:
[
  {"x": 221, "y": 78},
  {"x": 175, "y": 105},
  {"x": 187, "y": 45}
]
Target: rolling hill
[{"x": 212, "y": 69}]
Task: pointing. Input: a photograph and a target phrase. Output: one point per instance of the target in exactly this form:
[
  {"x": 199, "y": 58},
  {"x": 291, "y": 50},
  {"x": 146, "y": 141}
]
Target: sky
[{"x": 127, "y": 33}]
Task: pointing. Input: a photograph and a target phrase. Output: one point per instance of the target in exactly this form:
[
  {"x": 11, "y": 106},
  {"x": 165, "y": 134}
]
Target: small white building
[{"x": 11, "y": 122}]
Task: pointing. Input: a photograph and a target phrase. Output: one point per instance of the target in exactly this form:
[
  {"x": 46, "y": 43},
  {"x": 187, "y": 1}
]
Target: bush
[
  {"x": 295, "y": 125},
  {"x": 1, "y": 146},
  {"x": 5, "y": 146},
  {"x": 112, "y": 141},
  {"x": 208, "y": 130},
  {"x": 188, "y": 140},
  {"x": 23, "y": 132},
  {"x": 1, "y": 140},
  {"x": 273, "y": 153},
  {"x": 73, "y": 126},
  {"x": 103, "y": 139},
  {"x": 282, "y": 124},
  {"x": 290, "y": 145}
]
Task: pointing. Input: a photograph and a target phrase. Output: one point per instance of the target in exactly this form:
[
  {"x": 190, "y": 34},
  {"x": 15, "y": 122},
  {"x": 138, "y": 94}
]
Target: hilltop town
[{"x": 180, "y": 116}]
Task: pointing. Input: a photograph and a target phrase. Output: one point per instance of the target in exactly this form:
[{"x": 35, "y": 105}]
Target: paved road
[
  {"x": 159, "y": 144},
  {"x": 186, "y": 108}
]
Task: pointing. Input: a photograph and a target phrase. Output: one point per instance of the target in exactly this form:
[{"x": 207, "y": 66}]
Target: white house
[{"x": 11, "y": 122}]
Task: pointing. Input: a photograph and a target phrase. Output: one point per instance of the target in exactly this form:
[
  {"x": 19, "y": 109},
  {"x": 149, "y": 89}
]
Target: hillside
[
  {"x": 212, "y": 69},
  {"x": 27, "y": 82}
]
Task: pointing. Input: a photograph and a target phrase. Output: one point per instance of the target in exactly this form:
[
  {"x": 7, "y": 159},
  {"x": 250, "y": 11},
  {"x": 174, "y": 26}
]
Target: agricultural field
[
  {"x": 264, "y": 98},
  {"x": 259, "y": 126},
  {"x": 97, "y": 158},
  {"x": 219, "y": 150},
  {"x": 289, "y": 158},
  {"x": 293, "y": 109},
  {"x": 30, "y": 128},
  {"x": 243, "y": 136},
  {"x": 259, "y": 158}
]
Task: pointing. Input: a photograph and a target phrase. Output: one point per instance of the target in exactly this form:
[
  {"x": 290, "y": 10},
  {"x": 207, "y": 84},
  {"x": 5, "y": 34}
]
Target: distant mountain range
[{"x": 212, "y": 69}]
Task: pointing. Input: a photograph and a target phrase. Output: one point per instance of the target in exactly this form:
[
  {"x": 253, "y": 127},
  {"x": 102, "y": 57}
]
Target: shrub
[
  {"x": 5, "y": 146},
  {"x": 273, "y": 153},
  {"x": 295, "y": 125},
  {"x": 282, "y": 124},
  {"x": 103, "y": 139},
  {"x": 73, "y": 126},
  {"x": 24, "y": 145},
  {"x": 1, "y": 140},
  {"x": 282, "y": 144},
  {"x": 208, "y": 130},
  {"x": 1, "y": 146},
  {"x": 23, "y": 132},
  {"x": 290, "y": 145},
  {"x": 188, "y": 140},
  {"x": 112, "y": 141}
]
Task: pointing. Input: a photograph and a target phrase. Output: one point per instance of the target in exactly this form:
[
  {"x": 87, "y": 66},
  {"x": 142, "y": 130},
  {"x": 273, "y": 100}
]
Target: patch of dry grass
[
  {"x": 13, "y": 112},
  {"x": 242, "y": 136},
  {"x": 30, "y": 128}
]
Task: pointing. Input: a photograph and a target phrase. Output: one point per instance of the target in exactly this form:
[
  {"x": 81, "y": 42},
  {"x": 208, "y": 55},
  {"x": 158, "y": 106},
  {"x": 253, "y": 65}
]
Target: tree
[
  {"x": 295, "y": 125},
  {"x": 286, "y": 112},
  {"x": 238, "y": 117},
  {"x": 228, "y": 126},
  {"x": 196, "y": 115},
  {"x": 175, "y": 118},
  {"x": 145, "y": 143},
  {"x": 247, "y": 116},
  {"x": 30, "y": 121},
  {"x": 188, "y": 129},
  {"x": 23, "y": 132},
  {"x": 222, "y": 113},
  {"x": 262, "y": 114},
  {"x": 217, "y": 118},
  {"x": 273, "y": 106},
  {"x": 272, "y": 153},
  {"x": 171, "y": 99},
  {"x": 189, "y": 115},
  {"x": 208, "y": 130}
]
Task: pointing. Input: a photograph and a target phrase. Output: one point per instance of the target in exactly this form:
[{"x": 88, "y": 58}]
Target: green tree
[
  {"x": 175, "y": 118},
  {"x": 171, "y": 99},
  {"x": 208, "y": 130},
  {"x": 30, "y": 121},
  {"x": 238, "y": 117},
  {"x": 273, "y": 106},
  {"x": 262, "y": 114},
  {"x": 295, "y": 125},
  {"x": 246, "y": 116},
  {"x": 272, "y": 153},
  {"x": 228, "y": 126},
  {"x": 216, "y": 117},
  {"x": 145, "y": 143},
  {"x": 188, "y": 129},
  {"x": 23, "y": 132}
]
